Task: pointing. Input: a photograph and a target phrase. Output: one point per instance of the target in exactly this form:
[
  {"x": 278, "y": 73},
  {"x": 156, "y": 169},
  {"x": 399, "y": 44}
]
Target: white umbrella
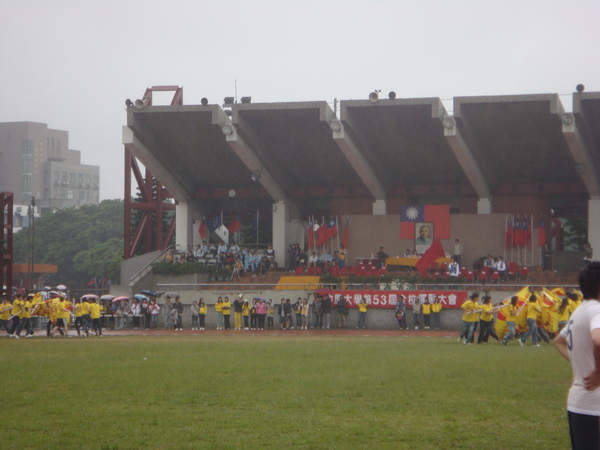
[{"x": 61, "y": 287}]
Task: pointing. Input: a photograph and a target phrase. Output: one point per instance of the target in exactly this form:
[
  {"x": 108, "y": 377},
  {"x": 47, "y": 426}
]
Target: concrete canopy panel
[
  {"x": 405, "y": 140},
  {"x": 516, "y": 138},
  {"x": 586, "y": 108},
  {"x": 294, "y": 142},
  {"x": 188, "y": 142}
]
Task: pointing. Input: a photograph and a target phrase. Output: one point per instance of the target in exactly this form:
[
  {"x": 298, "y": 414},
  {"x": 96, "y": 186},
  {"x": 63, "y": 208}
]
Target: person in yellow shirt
[
  {"x": 533, "y": 309},
  {"x": 486, "y": 321},
  {"x": 270, "y": 314},
  {"x": 62, "y": 314},
  {"x": 362, "y": 313},
  {"x": 564, "y": 312},
  {"x": 436, "y": 309},
  {"x": 17, "y": 306},
  {"x": 574, "y": 301},
  {"x": 470, "y": 317},
  {"x": 24, "y": 317},
  {"x": 219, "y": 313},
  {"x": 246, "y": 314},
  {"x": 5, "y": 308},
  {"x": 426, "y": 311},
  {"x": 511, "y": 311},
  {"x": 201, "y": 312},
  {"x": 226, "y": 312},
  {"x": 95, "y": 316}
]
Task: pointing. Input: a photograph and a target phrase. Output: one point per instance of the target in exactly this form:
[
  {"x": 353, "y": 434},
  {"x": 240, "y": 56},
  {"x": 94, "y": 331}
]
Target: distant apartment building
[{"x": 36, "y": 161}]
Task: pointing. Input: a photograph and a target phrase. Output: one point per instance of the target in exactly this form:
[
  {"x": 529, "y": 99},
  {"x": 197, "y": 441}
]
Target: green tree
[
  {"x": 62, "y": 235},
  {"x": 576, "y": 232}
]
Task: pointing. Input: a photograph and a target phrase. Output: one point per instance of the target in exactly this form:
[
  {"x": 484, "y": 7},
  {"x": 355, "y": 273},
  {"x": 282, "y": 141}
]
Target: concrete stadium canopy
[{"x": 298, "y": 152}]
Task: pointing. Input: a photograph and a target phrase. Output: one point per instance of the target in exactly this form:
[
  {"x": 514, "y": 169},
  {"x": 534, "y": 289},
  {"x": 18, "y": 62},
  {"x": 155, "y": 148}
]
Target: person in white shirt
[
  {"x": 222, "y": 249},
  {"x": 501, "y": 267},
  {"x": 201, "y": 251},
  {"x": 453, "y": 269},
  {"x": 579, "y": 343},
  {"x": 234, "y": 249},
  {"x": 458, "y": 249}
]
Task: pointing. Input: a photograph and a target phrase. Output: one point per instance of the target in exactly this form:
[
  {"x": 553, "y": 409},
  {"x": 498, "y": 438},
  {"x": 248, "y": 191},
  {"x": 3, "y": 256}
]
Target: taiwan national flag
[
  {"x": 202, "y": 227},
  {"x": 235, "y": 225},
  {"x": 517, "y": 233},
  {"x": 332, "y": 229},
  {"x": 439, "y": 215},
  {"x": 526, "y": 239},
  {"x": 322, "y": 234},
  {"x": 541, "y": 233}
]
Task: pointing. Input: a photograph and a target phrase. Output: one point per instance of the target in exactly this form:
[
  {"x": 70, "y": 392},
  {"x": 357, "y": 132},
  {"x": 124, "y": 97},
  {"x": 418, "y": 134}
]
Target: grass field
[{"x": 174, "y": 392}]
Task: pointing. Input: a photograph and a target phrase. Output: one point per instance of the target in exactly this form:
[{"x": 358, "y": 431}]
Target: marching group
[{"x": 482, "y": 315}]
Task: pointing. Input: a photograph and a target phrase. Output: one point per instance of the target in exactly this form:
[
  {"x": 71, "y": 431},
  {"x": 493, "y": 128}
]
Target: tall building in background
[{"x": 36, "y": 161}]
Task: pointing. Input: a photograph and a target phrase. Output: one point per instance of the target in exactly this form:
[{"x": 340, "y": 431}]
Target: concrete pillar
[
  {"x": 484, "y": 206},
  {"x": 183, "y": 227},
  {"x": 593, "y": 228},
  {"x": 281, "y": 218},
  {"x": 379, "y": 208}
]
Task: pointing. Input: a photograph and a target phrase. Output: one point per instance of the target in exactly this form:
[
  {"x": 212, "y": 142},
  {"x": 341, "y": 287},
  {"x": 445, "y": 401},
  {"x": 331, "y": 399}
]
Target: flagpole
[
  {"x": 505, "y": 231},
  {"x": 257, "y": 225},
  {"x": 512, "y": 239},
  {"x": 337, "y": 227},
  {"x": 525, "y": 243},
  {"x": 532, "y": 239}
]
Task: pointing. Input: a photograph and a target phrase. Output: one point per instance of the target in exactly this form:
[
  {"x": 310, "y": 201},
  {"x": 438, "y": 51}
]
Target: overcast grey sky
[{"x": 72, "y": 63}]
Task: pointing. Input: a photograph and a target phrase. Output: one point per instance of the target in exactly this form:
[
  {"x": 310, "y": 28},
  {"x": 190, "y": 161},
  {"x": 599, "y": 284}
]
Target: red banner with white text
[{"x": 388, "y": 299}]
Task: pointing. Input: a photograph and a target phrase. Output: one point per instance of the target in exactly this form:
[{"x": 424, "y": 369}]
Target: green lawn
[{"x": 280, "y": 391}]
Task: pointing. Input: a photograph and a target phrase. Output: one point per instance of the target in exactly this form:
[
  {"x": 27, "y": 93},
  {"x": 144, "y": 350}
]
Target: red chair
[
  {"x": 435, "y": 275},
  {"x": 335, "y": 271},
  {"x": 318, "y": 271},
  {"x": 495, "y": 277},
  {"x": 444, "y": 267},
  {"x": 524, "y": 273},
  {"x": 483, "y": 276},
  {"x": 344, "y": 272},
  {"x": 376, "y": 273},
  {"x": 512, "y": 270},
  {"x": 299, "y": 270},
  {"x": 310, "y": 271},
  {"x": 352, "y": 270},
  {"x": 470, "y": 276},
  {"x": 383, "y": 271}
]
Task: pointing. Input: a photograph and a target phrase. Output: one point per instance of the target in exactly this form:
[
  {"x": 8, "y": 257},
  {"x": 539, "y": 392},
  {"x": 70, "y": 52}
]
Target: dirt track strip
[{"x": 295, "y": 333}]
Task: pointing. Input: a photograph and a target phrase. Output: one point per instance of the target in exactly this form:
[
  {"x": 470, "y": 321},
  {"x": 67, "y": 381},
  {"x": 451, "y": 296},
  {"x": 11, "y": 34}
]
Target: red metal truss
[
  {"x": 6, "y": 242},
  {"x": 149, "y": 230}
]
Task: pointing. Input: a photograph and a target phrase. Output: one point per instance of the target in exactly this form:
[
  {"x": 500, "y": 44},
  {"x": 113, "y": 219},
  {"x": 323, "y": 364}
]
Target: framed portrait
[{"x": 424, "y": 234}]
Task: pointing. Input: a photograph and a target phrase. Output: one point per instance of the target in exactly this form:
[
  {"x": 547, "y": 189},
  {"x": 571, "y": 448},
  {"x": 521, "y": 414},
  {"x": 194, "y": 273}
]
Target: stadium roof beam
[
  {"x": 576, "y": 130},
  {"x": 259, "y": 173},
  {"x": 467, "y": 161},
  {"x": 353, "y": 154},
  {"x": 139, "y": 150}
]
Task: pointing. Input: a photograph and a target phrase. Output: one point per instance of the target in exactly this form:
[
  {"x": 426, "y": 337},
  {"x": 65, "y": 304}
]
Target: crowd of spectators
[{"x": 230, "y": 257}]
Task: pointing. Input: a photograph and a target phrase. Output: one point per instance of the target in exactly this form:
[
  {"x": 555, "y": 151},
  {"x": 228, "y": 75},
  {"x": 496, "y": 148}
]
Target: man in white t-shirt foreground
[{"x": 579, "y": 343}]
